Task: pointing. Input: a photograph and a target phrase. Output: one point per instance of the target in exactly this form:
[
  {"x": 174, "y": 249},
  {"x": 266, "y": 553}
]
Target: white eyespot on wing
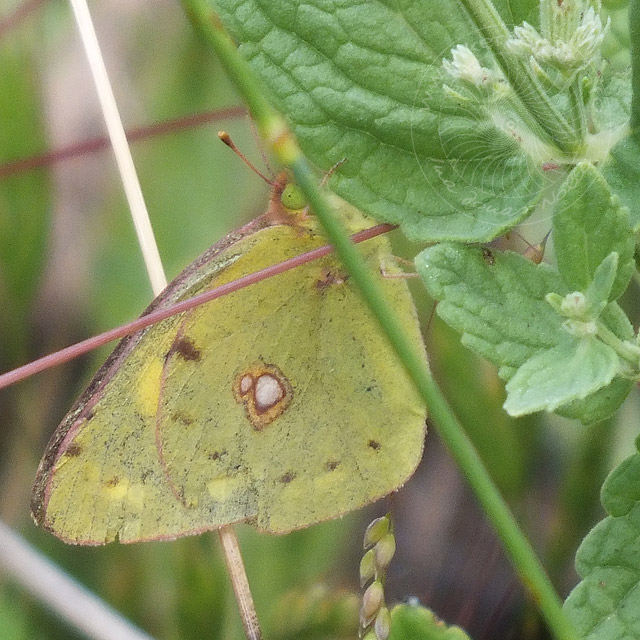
[{"x": 268, "y": 392}]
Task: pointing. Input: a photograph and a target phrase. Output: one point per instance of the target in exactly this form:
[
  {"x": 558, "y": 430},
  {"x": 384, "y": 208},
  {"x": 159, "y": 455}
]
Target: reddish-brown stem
[
  {"x": 18, "y": 14},
  {"x": 69, "y": 353},
  {"x": 102, "y": 142}
]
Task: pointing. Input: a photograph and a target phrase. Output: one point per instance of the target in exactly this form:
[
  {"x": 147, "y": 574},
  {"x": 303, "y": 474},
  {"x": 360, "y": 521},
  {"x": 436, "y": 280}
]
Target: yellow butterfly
[{"x": 281, "y": 404}]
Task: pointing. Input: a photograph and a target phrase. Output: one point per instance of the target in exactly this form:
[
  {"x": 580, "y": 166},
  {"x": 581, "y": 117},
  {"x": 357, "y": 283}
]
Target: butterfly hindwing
[{"x": 280, "y": 404}]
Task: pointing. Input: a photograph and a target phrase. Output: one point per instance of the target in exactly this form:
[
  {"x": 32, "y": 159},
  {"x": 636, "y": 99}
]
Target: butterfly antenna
[
  {"x": 329, "y": 173},
  {"x": 226, "y": 138},
  {"x": 258, "y": 140}
]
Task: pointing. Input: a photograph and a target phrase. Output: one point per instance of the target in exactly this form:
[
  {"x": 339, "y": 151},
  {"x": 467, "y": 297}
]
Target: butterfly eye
[{"x": 292, "y": 198}]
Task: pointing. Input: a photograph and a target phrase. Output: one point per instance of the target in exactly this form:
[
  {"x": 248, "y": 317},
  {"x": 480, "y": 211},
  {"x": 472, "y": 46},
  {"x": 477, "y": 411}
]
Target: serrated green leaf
[
  {"x": 599, "y": 405},
  {"x": 515, "y": 13},
  {"x": 413, "y": 622},
  {"x": 605, "y": 605},
  {"x": 565, "y": 373},
  {"x": 363, "y": 83},
  {"x": 605, "y": 402},
  {"x": 621, "y": 490},
  {"x": 622, "y": 172},
  {"x": 612, "y": 105},
  {"x": 588, "y": 225},
  {"x": 497, "y": 301}
]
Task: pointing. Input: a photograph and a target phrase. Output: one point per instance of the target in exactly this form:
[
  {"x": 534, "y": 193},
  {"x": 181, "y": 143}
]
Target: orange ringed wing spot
[{"x": 265, "y": 393}]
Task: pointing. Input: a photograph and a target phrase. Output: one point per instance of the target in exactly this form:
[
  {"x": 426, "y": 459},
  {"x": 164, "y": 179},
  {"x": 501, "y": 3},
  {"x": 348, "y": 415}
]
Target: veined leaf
[
  {"x": 605, "y": 605},
  {"x": 565, "y": 373},
  {"x": 362, "y": 85},
  {"x": 588, "y": 225},
  {"x": 496, "y": 300},
  {"x": 622, "y": 172}
]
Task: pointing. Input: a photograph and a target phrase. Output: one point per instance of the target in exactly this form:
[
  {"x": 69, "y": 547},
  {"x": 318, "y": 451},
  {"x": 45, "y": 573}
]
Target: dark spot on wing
[
  {"x": 73, "y": 450},
  {"x": 287, "y": 477},
  {"x": 113, "y": 482},
  {"x": 185, "y": 348},
  {"x": 180, "y": 416},
  {"x": 332, "y": 465},
  {"x": 216, "y": 455},
  {"x": 374, "y": 444}
]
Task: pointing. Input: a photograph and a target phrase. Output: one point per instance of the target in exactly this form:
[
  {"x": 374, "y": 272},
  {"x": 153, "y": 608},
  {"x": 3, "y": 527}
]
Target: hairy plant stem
[
  {"x": 628, "y": 351},
  {"x": 276, "y": 133},
  {"x": 578, "y": 111}
]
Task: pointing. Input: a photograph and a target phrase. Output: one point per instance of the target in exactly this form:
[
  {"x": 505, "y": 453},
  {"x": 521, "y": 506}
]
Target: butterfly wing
[{"x": 280, "y": 404}]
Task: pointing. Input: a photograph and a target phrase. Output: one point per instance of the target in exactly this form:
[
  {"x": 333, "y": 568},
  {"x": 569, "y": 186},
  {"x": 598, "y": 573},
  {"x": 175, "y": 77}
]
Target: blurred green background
[{"x": 69, "y": 268}]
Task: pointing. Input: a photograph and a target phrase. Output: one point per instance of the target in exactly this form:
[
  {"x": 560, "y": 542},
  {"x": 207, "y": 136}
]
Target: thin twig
[
  {"x": 80, "y": 348},
  {"x": 146, "y": 240},
  {"x": 240, "y": 582},
  {"x": 99, "y": 143}
]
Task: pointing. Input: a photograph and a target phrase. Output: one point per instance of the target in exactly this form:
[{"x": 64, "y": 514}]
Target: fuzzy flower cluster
[
  {"x": 465, "y": 66},
  {"x": 571, "y": 35}
]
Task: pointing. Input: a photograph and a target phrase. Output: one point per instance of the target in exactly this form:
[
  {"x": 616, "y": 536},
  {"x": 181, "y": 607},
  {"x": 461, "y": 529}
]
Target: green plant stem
[
  {"x": 577, "y": 108},
  {"x": 521, "y": 78},
  {"x": 286, "y": 148},
  {"x": 625, "y": 349}
]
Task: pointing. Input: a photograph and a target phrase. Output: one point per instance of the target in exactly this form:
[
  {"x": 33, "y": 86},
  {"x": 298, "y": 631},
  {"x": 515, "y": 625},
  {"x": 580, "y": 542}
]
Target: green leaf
[
  {"x": 621, "y": 491},
  {"x": 565, "y": 373},
  {"x": 605, "y": 605},
  {"x": 603, "y": 403},
  {"x": 622, "y": 172},
  {"x": 363, "y": 83},
  {"x": 413, "y": 622},
  {"x": 497, "y": 302},
  {"x": 599, "y": 405},
  {"x": 588, "y": 225},
  {"x": 611, "y": 110},
  {"x": 599, "y": 290},
  {"x": 515, "y": 13}
]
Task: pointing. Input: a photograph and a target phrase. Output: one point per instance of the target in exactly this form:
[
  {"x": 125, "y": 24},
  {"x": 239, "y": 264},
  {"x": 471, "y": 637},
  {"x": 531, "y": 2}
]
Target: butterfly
[{"x": 281, "y": 405}]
